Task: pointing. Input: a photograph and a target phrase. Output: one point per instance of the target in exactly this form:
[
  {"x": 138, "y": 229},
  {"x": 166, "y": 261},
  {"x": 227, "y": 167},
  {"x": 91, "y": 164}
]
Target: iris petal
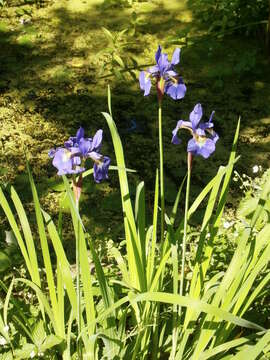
[
  {"x": 204, "y": 138},
  {"x": 145, "y": 82},
  {"x": 101, "y": 169},
  {"x": 176, "y": 57},
  {"x": 175, "y": 138},
  {"x": 79, "y": 134},
  {"x": 97, "y": 140},
  {"x": 84, "y": 146},
  {"x": 196, "y": 115},
  {"x": 158, "y": 53}
]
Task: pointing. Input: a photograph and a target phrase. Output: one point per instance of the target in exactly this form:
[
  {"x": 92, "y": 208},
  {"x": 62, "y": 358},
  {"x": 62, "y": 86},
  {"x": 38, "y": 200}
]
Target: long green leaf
[
  {"x": 183, "y": 301},
  {"x": 16, "y": 231},
  {"x": 252, "y": 352},
  {"x": 140, "y": 219},
  {"x": 63, "y": 263},
  {"x": 45, "y": 253},
  {"x": 5, "y": 309},
  {"x": 27, "y": 235},
  {"x": 129, "y": 219},
  {"x": 152, "y": 249}
]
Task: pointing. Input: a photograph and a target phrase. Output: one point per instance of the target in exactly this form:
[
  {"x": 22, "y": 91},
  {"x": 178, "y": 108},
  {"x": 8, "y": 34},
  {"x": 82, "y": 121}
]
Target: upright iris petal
[
  {"x": 176, "y": 57},
  {"x": 204, "y": 138},
  {"x": 167, "y": 79},
  {"x": 97, "y": 140},
  {"x": 70, "y": 158}
]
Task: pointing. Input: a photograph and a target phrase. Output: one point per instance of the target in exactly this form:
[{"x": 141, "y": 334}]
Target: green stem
[
  {"x": 162, "y": 199},
  {"x": 78, "y": 283},
  {"x": 162, "y": 222},
  {"x": 189, "y": 160}
]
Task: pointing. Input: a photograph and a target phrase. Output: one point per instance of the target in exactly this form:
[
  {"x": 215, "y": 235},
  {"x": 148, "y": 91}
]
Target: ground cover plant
[{"x": 186, "y": 281}]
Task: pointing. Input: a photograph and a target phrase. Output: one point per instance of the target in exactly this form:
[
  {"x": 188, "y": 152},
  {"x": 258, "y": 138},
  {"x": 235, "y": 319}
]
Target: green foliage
[
  {"x": 118, "y": 310},
  {"x": 116, "y": 62},
  {"x": 222, "y": 15}
]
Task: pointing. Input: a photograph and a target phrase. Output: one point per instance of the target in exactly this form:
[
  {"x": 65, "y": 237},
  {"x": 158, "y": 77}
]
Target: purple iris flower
[
  {"x": 168, "y": 80},
  {"x": 204, "y": 137},
  {"x": 70, "y": 158}
]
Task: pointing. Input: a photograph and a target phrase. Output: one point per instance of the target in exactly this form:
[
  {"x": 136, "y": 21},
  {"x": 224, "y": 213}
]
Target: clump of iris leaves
[{"x": 163, "y": 295}]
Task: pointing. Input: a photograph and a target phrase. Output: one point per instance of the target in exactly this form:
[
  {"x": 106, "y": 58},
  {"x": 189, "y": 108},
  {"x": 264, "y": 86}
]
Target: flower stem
[
  {"x": 77, "y": 191},
  {"x": 162, "y": 199},
  {"x": 162, "y": 221},
  {"x": 189, "y": 161},
  {"x": 78, "y": 285}
]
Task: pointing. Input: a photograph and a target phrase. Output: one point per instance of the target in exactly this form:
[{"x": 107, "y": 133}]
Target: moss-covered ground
[{"x": 55, "y": 65}]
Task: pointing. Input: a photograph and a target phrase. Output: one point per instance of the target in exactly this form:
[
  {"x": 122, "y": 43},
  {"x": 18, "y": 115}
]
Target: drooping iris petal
[
  {"x": 175, "y": 138},
  {"x": 154, "y": 70},
  {"x": 64, "y": 161},
  {"x": 184, "y": 125},
  {"x": 176, "y": 57},
  {"x": 176, "y": 91},
  {"x": 180, "y": 125},
  {"x": 101, "y": 169},
  {"x": 145, "y": 82},
  {"x": 196, "y": 115},
  {"x": 204, "y": 149},
  {"x": 95, "y": 156}
]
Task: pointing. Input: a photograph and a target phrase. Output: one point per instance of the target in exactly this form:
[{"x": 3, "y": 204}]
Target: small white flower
[
  {"x": 3, "y": 341},
  {"x": 207, "y": 235},
  {"x": 32, "y": 354},
  {"x": 226, "y": 224},
  {"x": 255, "y": 169}
]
